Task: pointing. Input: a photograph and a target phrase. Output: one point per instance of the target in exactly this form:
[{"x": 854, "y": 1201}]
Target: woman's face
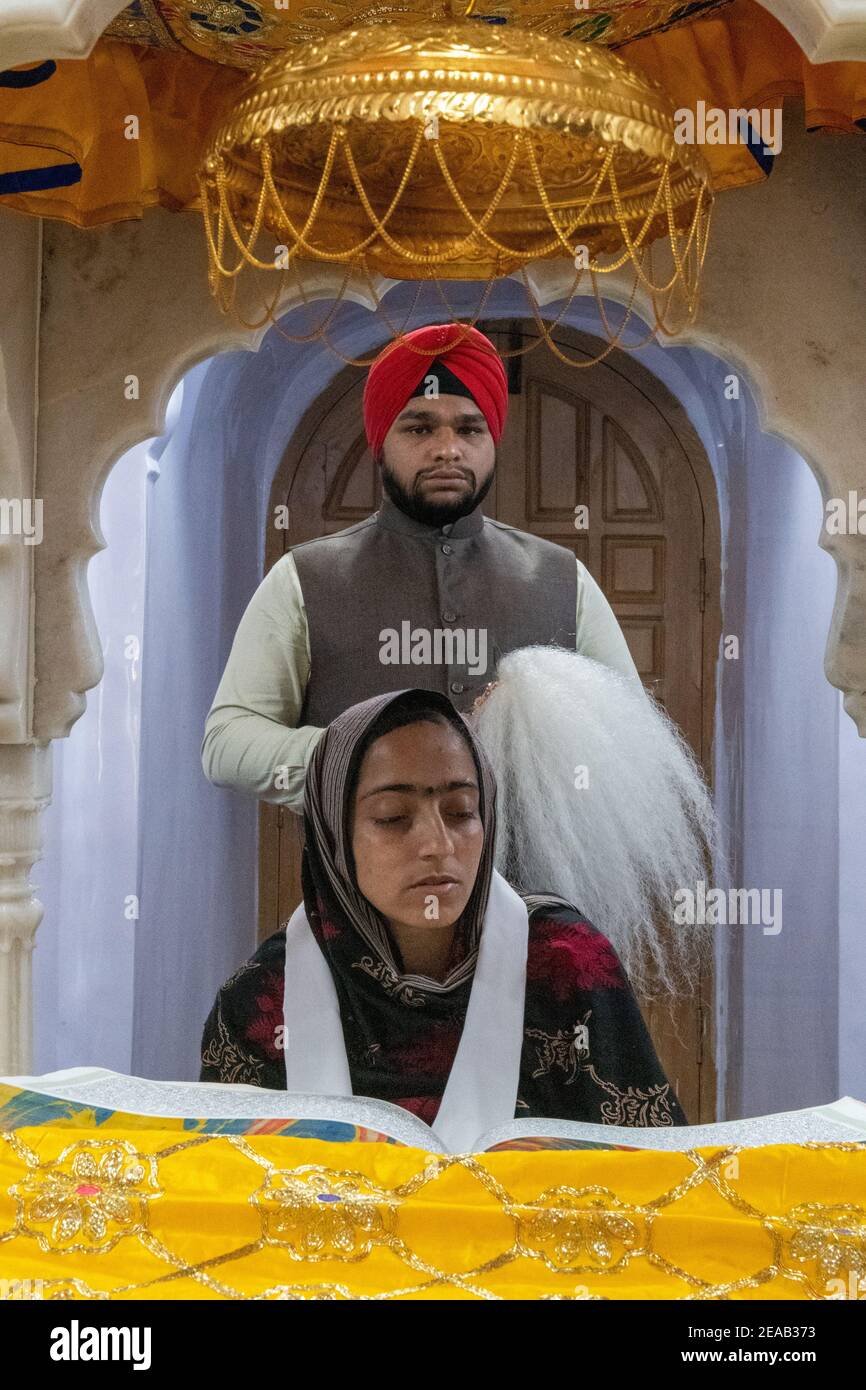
[{"x": 416, "y": 831}]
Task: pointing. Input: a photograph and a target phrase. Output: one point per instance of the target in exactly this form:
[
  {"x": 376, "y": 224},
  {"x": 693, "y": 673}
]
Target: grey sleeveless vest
[{"x": 392, "y": 603}]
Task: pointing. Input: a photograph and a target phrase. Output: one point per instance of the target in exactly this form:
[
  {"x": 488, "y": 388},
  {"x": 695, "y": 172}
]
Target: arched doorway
[{"x": 613, "y": 440}]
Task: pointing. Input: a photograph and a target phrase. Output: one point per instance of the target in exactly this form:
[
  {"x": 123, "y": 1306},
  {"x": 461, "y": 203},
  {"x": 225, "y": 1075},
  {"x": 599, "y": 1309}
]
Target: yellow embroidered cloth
[
  {"x": 75, "y": 119},
  {"x": 158, "y": 1213}
]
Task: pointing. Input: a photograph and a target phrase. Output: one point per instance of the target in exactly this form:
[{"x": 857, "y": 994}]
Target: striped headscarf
[
  {"x": 400, "y": 1035},
  {"x": 328, "y": 876}
]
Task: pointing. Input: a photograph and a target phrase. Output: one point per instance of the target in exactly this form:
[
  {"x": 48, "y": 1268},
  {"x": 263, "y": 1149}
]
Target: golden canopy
[
  {"x": 64, "y": 152},
  {"x": 459, "y": 151},
  {"x": 567, "y": 140}
]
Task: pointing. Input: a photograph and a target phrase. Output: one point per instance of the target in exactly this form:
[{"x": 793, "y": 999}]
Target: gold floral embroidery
[
  {"x": 382, "y": 973},
  {"x": 580, "y": 1295},
  {"x": 38, "y": 1290},
  {"x": 72, "y": 1290},
  {"x": 230, "y": 1061},
  {"x": 634, "y": 1107},
  {"x": 831, "y": 1238},
  {"x": 568, "y": 1051},
  {"x": 323, "y": 1214},
  {"x": 97, "y": 1190},
  {"x": 566, "y": 1048},
  {"x": 304, "y": 1293},
  {"x": 578, "y": 1229}
]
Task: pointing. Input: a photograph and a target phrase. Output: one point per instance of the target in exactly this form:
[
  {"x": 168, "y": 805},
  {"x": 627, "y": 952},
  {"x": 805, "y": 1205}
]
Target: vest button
[
  {"x": 447, "y": 550},
  {"x": 457, "y": 687},
  {"x": 448, "y": 617}
]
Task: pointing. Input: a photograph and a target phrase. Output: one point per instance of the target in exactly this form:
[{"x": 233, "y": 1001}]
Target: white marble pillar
[
  {"x": 25, "y": 762},
  {"x": 25, "y": 790}
]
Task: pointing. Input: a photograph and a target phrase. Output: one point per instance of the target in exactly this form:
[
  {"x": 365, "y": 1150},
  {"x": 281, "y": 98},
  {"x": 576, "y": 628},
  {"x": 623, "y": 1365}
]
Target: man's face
[{"x": 438, "y": 459}]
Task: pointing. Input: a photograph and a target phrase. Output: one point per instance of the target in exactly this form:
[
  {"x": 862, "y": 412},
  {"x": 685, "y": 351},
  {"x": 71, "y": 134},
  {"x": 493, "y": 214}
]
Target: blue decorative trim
[
  {"x": 756, "y": 147},
  {"x": 35, "y": 180},
  {"x": 31, "y": 78}
]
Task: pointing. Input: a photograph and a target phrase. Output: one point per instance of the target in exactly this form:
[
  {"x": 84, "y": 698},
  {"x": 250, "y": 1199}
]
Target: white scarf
[{"x": 482, "y": 1085}]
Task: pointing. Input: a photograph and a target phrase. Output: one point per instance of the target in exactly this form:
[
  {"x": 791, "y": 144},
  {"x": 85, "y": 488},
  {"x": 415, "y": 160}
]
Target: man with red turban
[
  {"x": 426, "y": 592},
  {"x": 471, "y": 370}
]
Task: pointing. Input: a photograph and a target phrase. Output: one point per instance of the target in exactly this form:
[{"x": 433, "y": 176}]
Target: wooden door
[{"x": 609, "y": 438}]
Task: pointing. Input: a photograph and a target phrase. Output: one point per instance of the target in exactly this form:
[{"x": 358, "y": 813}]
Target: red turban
[{"x": 398, "y": 374}]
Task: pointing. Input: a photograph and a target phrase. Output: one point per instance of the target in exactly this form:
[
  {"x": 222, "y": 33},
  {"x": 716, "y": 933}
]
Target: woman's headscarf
[
  {"x": 453, "y": 1052},
  {"x": 404, "y": 1034},
  {"x": 345, "y": 923}
]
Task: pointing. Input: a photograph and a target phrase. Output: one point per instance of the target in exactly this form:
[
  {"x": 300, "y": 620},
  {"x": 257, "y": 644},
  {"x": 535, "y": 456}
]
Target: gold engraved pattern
[{"x": 419, "y": 148}]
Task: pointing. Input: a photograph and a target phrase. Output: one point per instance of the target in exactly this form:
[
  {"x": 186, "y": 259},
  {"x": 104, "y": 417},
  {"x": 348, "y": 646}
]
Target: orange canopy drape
[{"x": 738, "y": 57}]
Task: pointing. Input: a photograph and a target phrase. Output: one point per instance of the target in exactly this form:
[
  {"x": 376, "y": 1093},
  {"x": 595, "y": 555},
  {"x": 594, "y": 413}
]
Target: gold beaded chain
[
  {"x": 379, "y": 224},
  {"x": 688, "y": 259}
]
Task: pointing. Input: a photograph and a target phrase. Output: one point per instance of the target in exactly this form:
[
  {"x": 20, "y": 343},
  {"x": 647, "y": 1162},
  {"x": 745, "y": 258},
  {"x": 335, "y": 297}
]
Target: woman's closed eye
[{"x": 449, "y": 815}]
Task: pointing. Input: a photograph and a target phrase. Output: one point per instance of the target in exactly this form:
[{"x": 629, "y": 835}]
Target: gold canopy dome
[{"x": 456, "y": 150}]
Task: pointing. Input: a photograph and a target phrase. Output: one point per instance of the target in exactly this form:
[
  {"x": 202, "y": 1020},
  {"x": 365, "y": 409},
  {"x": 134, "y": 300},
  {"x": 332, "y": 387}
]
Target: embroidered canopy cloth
[
  {"x": 98, "y": 1204},
  {"x": 67, "y": 149}
]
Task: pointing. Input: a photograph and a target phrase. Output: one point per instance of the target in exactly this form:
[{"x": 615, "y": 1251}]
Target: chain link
[{"x": 688, "y": 258}]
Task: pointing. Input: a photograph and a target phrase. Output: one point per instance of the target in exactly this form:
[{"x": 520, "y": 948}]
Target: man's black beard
[{"x": 413, "y": 504}]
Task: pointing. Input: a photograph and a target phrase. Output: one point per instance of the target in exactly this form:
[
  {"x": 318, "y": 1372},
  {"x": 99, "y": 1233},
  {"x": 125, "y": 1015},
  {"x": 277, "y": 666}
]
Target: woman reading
[{"x": 412, "y": 972}]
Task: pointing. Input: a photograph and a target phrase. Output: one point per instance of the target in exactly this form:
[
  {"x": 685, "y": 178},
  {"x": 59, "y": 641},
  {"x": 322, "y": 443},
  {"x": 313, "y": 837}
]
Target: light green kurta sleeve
[
  {"x": 599, "y": 635},
  {"x": 251, "y": 742}
]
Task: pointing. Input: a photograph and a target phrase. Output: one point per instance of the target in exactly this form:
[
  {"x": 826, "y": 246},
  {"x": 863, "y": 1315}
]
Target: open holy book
[{"x": 96, "y": 1089}]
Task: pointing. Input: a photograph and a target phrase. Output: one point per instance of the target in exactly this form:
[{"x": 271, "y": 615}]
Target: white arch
[
  {"x": 31, "y": 30},
  {"x": 780, "y": 316},
  {"x": 783, "y": 298},
  {"x": 828, "y": 31},
  {"x": 250, "y": 408}
]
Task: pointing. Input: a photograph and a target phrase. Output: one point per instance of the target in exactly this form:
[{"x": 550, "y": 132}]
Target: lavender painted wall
[
  {"x": 197, "y": 844},
  {"x": 852, "y": 908},
  {"x": 83, "y": 962},
  {"x": 790, "y": 981}
]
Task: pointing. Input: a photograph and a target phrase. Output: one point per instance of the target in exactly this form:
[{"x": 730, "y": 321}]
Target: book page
[
  {"x": 842, "y": 1121},
  {"x": 218, "y": 1100}
]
